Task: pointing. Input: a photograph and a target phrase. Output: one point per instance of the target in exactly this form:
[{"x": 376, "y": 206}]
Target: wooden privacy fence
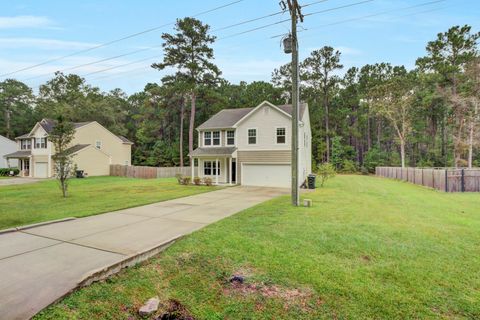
[
  {"x": 149, "y": 172},
  {"x": 444, "y": 179}
]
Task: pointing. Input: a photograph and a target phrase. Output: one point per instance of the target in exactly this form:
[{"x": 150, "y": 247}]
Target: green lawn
[
  {"x": 42, "y": 201},
  {"x": 370, "y": 248}
]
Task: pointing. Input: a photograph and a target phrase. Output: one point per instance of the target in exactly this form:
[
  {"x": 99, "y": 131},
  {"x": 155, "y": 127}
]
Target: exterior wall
[
  {"x": 111, "y": 144},
  {"x": 266, "y": 120},
  {"x": 7, "y": 146},
  {"x": 267, "y": 156},
  {"x": 93, "y": 161},
  {"x": 305, "y": 147},
  {"x": 222, "y": 178}
]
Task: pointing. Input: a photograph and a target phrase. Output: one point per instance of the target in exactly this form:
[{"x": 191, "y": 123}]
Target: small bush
[
  {"x": 6, "y": 171},
  {"x": 183, "y": 180},
  {"x": 348, "y": 166},
  {"x": 197, "y": 181},
  {"x": 325, "y": 171},
  {"x": 208, "y": 181},
  {"x": 364, "y": 171}
]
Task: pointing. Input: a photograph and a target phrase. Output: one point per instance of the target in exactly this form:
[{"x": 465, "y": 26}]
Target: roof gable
[{"x": 230, "y": 118}]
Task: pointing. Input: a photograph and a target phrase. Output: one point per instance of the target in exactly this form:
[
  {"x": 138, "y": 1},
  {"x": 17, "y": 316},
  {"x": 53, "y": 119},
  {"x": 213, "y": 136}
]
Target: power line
[
  {"x": 116, "y": 40},
  {"x": 337, "y": 8},
  {"x": 97, "y": 61},
  {"x": 282, "y": 21},
  {"x": 120, "y": 65},
  {"x": 312, "y": 3},
  {"x": 368, "y": 16}
]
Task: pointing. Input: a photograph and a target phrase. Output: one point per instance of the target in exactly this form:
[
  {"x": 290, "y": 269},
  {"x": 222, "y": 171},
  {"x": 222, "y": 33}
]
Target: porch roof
[
  {"x": 213, "y": 151},
  {"x": 18, "y": 154}
]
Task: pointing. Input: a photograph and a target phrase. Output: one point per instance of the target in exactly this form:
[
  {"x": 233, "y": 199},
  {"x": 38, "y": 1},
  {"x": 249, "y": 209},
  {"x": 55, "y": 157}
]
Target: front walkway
[{"x": 40, "y": 265}]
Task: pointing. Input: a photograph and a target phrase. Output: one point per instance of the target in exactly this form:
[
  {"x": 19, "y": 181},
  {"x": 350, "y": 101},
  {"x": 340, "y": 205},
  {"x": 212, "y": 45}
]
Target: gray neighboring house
[
  {"x": 7, "y": 146},
  {"x": 252, "y": 146}
]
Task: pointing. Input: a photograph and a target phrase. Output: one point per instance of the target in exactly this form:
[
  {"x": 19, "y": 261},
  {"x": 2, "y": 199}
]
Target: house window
[
  {"x": 281, "y": 136},
  {"x": 98, "y": 144},
  {"x": 252, "y": 136},
  {"x": 40, "y": 143},
  {"x": 207, "y": 138},
  {"x": 230, "y": 137},
  {"x": 210, "y": 168},
  {"x": 216, "y": 138},
  {"x": 26, "y": 144}
]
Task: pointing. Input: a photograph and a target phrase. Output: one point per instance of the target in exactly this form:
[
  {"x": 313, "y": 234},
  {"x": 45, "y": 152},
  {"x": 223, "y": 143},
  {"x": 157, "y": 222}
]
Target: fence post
[
  {"x": 422, "y": 177},
  {"x": 463, "y": 180},
  {"x": 446, "y": 180}
]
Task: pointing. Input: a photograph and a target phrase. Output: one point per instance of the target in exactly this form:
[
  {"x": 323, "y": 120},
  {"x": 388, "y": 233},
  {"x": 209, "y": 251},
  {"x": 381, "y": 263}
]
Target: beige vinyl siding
[
  {"x": 262, "y": 156},
  {"x": 266, "y": 120},
  {"x": 111, "y": 144},
  {"x": 92, "y": 161}
]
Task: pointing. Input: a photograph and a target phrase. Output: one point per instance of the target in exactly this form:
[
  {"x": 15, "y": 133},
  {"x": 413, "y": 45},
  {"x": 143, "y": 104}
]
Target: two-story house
[
  {"x": 252, "y": 146},
  {"x": 93, "y": 150},
  {"x": 7, "y": 146}
]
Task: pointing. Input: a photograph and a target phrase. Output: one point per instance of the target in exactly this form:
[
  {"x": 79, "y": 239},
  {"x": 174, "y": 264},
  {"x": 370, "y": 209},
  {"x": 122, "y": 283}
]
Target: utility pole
[{"x": 295, "y": 13}]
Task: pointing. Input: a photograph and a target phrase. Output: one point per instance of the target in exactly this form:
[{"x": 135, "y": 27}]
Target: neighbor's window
[
  {"x": 40, "y": 143},
  {"x": 281, "y": 135},
  {"x": 26, "y": 144},
  {"x": 230, "y": 138},
  {"x": 210, "y": 168},
  {"x": 216, "y": 138},
  {"x": 207, "y": 138},
  {"x": 98, "y": 144},
  {"x": 252, "y": 136}
]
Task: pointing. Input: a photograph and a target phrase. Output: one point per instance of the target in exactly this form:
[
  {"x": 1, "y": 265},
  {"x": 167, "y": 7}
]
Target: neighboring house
[
  {"x": 252, "y": 146},
  {"x": 93, "y": 149},
  {"x": 7, "y": 146}
]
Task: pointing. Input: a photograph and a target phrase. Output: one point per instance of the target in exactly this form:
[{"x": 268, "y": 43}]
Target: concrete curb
[
  {"x": 8, "y": 230},
  {"x": 34, "y": 225},
  {"x": 103, "y": 273}
]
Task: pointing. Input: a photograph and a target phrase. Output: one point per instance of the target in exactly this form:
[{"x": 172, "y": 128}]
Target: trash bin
[
  {"x": 311, "y": 181},
  {"x": 79, "y": 174}
]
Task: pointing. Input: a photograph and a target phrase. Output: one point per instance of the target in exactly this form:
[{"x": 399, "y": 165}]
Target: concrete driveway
[
  {"x": 40, "y": 265},
  {"x": 15, "y": 181}
]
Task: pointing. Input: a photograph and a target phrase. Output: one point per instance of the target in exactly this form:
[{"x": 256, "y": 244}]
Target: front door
[{"x": 234, "y": 172}]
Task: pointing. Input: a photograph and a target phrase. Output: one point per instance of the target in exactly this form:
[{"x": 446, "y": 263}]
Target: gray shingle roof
[
  {"x": 19, "y": 154},
  {"x": 23, "y": 136},
  {"x": 76, "y": 148},
  {"x": 213, "y": 151},
  {"x": 226, "y": 118},
  {"x": 49, "y": 124},
  {"x": 125, "y": 140}
]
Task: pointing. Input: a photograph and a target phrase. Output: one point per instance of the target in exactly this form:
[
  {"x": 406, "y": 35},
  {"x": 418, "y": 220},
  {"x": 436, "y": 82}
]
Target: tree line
[{"x": 377, "y": 114}]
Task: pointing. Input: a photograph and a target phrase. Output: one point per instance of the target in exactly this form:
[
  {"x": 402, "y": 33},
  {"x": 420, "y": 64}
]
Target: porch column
[
  {"x": 192, "y": 165},
  {"x": 230, "y": 171},
  {"x": 225, "y": 168},
  {"x": 30, "y": 166},
  {"x": 216, "y": 171}
]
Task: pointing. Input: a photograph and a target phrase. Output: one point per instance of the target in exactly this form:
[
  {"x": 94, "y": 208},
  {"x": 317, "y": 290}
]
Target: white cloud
[
  {"x": 47, "y": 44},
  {"x": 24, "y": 22}
]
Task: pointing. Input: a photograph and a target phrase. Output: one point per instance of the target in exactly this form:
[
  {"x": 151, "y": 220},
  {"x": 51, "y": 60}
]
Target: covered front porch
[
  {"x": 24, "y": 161},
  {"x": 217, "y": 163}
]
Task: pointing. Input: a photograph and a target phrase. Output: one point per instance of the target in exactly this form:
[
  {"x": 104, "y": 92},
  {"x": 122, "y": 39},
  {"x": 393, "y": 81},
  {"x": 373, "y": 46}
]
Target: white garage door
[
  {"x": 266, "y": 175},
  {"x": 40, "y": 170}
]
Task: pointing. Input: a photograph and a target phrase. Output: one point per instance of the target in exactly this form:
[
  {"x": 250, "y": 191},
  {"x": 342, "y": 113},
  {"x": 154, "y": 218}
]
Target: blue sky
[{"x": 35, "y": 31}]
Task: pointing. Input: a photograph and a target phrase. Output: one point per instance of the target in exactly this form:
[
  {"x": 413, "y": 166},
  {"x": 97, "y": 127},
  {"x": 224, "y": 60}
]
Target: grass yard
[
  {"x": 42, "y": 201},
  {"x": 370, "y": 248}
]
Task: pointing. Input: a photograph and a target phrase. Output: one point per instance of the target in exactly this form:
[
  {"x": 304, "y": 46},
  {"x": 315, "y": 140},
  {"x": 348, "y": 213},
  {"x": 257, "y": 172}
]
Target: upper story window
[
  {"x": 211, "y": 138},
  {"x": 207, "y": 138},
  {"x": 230, "y": 137},
  {"x": 40, "y": 143},
  {"x": 216, "y": 138},
  {"x": 252, "y": 136},
  {"x": 26, "y": 144},
  {"x": 281, "y": 135},
  {"x": 98, "y": 144}
]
